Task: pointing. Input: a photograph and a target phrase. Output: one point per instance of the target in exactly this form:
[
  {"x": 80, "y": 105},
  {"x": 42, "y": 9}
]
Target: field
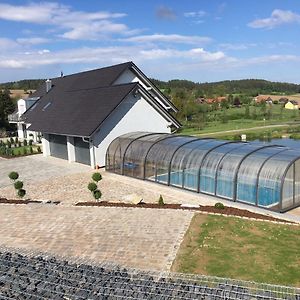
[
  {"x": 241, "y": 249},
  {"x": 236, "y": 120}
]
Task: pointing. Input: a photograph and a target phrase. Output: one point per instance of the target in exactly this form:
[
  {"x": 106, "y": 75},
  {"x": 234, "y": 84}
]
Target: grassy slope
[
  {"x": 236, "y": 248},
  {"x": 216, "y": 126}
]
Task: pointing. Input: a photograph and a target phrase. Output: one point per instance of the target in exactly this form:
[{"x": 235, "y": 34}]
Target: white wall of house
[
  {"x": 28, "y": 134},
  {"x": 134, "y": 114},
  {"x": 21, "y": 106},
  {"x": 46, "y": 145},
  {"x": 128, "y": 76},
  {"x": 70, "y": 148}
]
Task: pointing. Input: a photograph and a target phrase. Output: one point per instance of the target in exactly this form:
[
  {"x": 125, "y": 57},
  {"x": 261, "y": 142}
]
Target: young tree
[
  {"x": 6, "y": 107},
  {"x": 247, "y": 112},
  {"x": 230, "y": 99}
]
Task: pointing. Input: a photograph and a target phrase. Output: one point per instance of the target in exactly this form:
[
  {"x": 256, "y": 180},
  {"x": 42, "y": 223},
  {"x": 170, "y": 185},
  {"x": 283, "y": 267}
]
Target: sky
[{"x": 198, "y": 40}]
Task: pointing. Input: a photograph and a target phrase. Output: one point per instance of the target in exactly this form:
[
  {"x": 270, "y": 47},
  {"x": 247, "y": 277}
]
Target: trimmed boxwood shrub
[
  {"x": 21, "y": 193},
  {"x": 18, "y": 185},
  {"x": 30, "y": 142},
  {"x": 13, "y": 175},
  {"x": 219, "y": 205},
  {"x": 92, "y": 186},
  {"x": 97, "y": 177},
  {"x": 97, "y": 194},
  {"x": 25, "y": 143}
]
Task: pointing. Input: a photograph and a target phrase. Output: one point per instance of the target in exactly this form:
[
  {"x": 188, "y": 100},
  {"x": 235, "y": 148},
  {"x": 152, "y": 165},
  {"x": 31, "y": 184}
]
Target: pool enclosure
[{"x": 267, "y": 176}]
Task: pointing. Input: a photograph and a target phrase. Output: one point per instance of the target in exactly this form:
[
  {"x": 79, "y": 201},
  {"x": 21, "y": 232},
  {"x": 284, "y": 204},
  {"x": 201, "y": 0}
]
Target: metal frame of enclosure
[{"x": 267, "y": 176}]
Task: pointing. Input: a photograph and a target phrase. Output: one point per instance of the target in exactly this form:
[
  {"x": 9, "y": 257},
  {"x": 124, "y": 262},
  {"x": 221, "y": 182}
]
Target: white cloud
[
  {"x": 165, "y": 13},
  {"x": 33, "y": 41},
  {"x": 195, "y": 14},
  {"x": 229, "y": 46},
  {"x": 75, "y": 24},
  {"x": 277, "y": 18},
  {"x": 169, "y": 38},
  {"x": 7, "y": 44},
  {"x": 106, "y": 55}
]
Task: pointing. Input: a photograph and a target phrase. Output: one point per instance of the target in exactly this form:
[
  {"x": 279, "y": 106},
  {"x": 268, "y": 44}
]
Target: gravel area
[{"x": 23, "y": 277}]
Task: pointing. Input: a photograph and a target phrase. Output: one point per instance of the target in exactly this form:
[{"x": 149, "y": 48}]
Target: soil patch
[
  {"x": 27, "y": 201},
  {"x": 232, "y": 211}
]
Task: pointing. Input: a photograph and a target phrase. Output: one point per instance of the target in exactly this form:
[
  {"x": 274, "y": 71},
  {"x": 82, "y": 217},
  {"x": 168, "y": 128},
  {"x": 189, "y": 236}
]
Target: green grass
[
  {"x": 241, "y": 249},
  {"x": 237, "y": 120},
  {"x": 18, "y": 150}
]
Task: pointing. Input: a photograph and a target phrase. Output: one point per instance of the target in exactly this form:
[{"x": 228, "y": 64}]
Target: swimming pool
[
  {"x": 248, "y": 193},
  {"x": 259, "y": 174}
]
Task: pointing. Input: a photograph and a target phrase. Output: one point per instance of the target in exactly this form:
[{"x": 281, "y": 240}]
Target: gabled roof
[
  {"x": 85, "y": 80},
  {"x": 78, "y": 104},
  {"x": 77, "y": 112},
  {"x": 164, "y": 98}
]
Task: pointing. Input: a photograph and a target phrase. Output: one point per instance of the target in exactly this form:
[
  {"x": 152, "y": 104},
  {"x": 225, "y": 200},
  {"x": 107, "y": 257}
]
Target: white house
[
  {"x": 80, "y": 114},
  {"x": 16, "y": 118}
]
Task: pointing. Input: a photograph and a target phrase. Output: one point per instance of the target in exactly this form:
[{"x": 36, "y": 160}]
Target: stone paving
[
  {"x": 67, "y": 183},
  {"x": 139, "y": 238},
  {"x": 35, "y": 168}
]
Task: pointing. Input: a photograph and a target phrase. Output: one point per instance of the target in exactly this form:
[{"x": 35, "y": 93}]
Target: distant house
[
  {"x": 79, "y": 115},
  {"x": 283, "y": 100},
  {"x": 215, "y": 100},
  {"x": 263, "y": 98},
  {"x": 200, "y": 100},
  {"x": 291, "y": 104}
]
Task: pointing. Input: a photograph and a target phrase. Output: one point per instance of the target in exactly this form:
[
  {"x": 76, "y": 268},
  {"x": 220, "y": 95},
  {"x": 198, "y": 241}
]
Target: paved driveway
[
  {"x": 37, "y": 168},
  {"x": 139, "y": 238}
]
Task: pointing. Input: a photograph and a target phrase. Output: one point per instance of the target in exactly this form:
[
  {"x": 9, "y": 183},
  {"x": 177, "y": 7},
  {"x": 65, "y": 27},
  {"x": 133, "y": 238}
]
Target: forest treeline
[
  {"x": 250, "y": 87},
  {"x": 26, "y": 84}
]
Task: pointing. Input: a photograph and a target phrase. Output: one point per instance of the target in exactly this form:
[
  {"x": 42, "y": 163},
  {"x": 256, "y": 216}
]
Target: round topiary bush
[
  {"x": 18, "y": 185},
  {"x": 97, "y": 194},
  {"x": 21, "y": 193},
  {"x": 219, "y": 205},
  {"x": 92, "y": 186},
  {"x": 13, "y": 175},
  {"x": 97, "y": 177}
]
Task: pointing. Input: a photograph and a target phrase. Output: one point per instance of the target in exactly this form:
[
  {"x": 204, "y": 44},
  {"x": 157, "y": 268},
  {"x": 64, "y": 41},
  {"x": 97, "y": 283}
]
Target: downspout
[{"x": 90, "y": 141}]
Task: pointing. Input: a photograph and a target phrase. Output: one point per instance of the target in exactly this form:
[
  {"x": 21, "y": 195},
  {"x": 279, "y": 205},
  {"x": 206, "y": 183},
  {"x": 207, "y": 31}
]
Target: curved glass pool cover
[{"x": 254, "y": 173}]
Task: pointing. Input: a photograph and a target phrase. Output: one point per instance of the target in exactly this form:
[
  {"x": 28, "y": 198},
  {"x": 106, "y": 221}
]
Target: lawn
[
  {"x": 237, "y": 120},
  {"x": 20, "y": 150},
  {"x": 241, "y": 249}
]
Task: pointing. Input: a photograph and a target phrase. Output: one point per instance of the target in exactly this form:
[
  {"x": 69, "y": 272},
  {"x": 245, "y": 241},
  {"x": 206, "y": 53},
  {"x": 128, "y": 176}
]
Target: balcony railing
[{"x": 14, "y": 118}]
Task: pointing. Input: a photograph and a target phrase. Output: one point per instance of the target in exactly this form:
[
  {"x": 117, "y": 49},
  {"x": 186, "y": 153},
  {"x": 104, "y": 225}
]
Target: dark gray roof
[
  {"x": 77, "y": 112},
  {"x": 77, "y": 104},
  {"x": 85, "y": 80}
]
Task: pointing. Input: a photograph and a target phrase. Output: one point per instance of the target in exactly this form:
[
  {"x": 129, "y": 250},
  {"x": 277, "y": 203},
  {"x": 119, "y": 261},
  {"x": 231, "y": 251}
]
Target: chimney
[{"x": 48, "y": 85}]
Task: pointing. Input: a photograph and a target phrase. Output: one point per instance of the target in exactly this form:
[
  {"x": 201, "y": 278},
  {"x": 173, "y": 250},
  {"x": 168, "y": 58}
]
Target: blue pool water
[{"x": 225, "y": 188}]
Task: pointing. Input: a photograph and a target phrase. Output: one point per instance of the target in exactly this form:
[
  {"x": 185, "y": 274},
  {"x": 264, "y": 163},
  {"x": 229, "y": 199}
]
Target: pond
[{"x": 291, "y": 143}]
